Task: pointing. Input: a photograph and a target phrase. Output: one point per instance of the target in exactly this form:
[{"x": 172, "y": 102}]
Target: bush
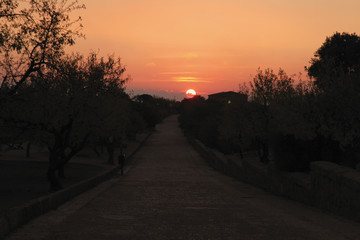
[{"x": 291, "y": 154}]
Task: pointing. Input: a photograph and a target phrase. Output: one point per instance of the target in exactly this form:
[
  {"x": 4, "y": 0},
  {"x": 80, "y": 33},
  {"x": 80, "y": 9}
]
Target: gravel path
[{"x": 170, "y": 193}]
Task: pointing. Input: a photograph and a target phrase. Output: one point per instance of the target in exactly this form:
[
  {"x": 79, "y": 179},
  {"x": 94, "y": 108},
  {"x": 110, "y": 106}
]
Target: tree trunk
[
  {"x": 94, "y": 148},
  {"x": 61, "y": 168},
  {"x": 55, "y": 154},
  {"x": 110, "y": 150},
  {"x": 265, "y": 147},
  {"x": 263, "y": 150},
  {"x": 28, "y": 145},
  {"x": 61, "y": 171},
  {"x": 241, "y": 152},
  {"x": 55, "y": 184},
  {"x": 65, "y": 158},
  {"x": 61, "y": 164}
]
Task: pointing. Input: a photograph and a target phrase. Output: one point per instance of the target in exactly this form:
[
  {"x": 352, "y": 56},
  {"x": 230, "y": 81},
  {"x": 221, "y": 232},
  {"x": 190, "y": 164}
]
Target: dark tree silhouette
[
  {"x": 149, "y": 109},
  {"x": 33, "y": 37},
  {"x": 65, "y": 108},
  {"x": 336, "y": 72},
  {"x": 339, "y": 55},
  {"x": 267, "y": 88}
]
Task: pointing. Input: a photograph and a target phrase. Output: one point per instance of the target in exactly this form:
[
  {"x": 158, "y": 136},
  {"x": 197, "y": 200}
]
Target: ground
[
  {"x": 171, "y": 193},
  {"x": 23, "y": 179}
]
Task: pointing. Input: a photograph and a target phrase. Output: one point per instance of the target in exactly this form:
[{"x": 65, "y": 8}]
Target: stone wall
[
  {"x": 336, "y": 189},
  {"x": 328, "y": 186}
]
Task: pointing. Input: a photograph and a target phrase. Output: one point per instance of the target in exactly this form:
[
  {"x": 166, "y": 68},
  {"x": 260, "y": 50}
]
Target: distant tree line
[
  {"x": 287, "y": 120},
  {"x": 65, "y": 102}
]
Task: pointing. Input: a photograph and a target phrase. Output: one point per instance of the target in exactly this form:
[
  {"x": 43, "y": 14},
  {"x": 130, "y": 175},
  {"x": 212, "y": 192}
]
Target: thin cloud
[
  {"x": 177, "y": 73},
  {"x": 190, "y": 79}
]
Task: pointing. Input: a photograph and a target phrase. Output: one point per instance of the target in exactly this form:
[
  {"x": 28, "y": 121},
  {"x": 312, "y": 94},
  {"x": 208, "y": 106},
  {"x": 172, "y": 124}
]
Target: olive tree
[
  {"x": 79, "y": 100},
  {"x": 33, "y": 33},
  {"x": 266, "y": 89},
  {"x": 335, "y": 69}
]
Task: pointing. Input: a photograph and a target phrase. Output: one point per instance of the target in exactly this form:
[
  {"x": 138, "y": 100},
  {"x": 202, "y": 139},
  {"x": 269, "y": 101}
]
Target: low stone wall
[
  {"x": 336, "y": 189},
  {"x": 328, "y": 186},
  {"x": 20, "y": 215}
]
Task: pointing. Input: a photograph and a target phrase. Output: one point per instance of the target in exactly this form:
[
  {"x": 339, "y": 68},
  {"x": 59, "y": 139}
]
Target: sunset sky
[{"x": 170, "y": 46}]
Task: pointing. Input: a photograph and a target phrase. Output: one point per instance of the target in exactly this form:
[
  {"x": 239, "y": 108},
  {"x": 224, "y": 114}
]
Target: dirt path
[{"x": 170, "y": 193}]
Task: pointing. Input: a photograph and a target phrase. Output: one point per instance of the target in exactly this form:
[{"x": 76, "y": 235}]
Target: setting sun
[{"x": 190, "y": 93}]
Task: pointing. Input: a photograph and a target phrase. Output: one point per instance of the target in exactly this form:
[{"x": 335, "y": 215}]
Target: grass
[{"x": 22, "y": 180}]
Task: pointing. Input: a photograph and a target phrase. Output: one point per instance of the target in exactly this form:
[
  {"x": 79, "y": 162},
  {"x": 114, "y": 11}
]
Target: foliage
[
  {"x": 65, "y": 102},
  {"x": 338, "y": 56},
  {"x": 292, "y": 123},
  {"x": 80, "y": 100},
  {"x": 33, "y": 37},
  {"x": 273, "y": 110},
  {"x": 200, "y": 118},
  {"x": 336, "y": 72},
  {"x": 292, "y": 154},
  {"x": 152, "y": 109},
  {"x": 267, "y": 90},
  {"x": 203, "y": 119},
  {"x": 191, "y": 114}
]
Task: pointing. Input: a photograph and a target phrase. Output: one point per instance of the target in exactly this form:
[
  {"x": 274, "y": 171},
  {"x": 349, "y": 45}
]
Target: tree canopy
[
  {"x": 338, "y": 57},
  {"x": 80, "y": 99},
  {"x": 32, "y": 35},
  {"x": 65, "y": 102}
]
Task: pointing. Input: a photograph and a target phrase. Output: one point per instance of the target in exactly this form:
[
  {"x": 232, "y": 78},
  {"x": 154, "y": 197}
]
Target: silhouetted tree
[
  {"x": 33, "y": 37},
  {"x": 295, "y": 124},
  {"x": 79, "y": 101},
  {"x": 136, "y": 122},
  {"x": 235, "y": 132},
  {"x": 201, "y": 118},
  {"x": 336, "y": 72},
  {"x": 149, "y": 109},
  {"x": 338, "y": 56},
  {"x": 191, "y": 116},
  {"x": 267, "y": 88}
]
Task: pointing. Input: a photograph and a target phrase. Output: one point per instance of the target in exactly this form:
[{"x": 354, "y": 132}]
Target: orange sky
[{"x": 210, "y": 45}]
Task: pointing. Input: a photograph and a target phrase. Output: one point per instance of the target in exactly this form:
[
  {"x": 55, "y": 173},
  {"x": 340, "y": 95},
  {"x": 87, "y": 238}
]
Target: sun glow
[{"x": 190, "y": 93}]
